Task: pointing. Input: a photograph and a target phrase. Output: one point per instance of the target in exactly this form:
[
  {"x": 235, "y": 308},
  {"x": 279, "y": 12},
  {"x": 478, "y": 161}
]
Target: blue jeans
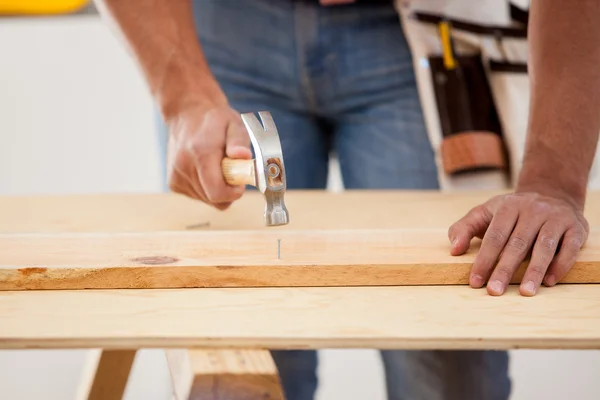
[{"x": 339, "y": 80}]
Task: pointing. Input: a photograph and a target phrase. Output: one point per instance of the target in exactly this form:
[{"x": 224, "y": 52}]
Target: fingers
[
  {"x": 572, "y": 242},
  {"x": 514, "y": 252},
  {"x": 197, "y": 144},
  {"x": 474, "y": 224},
  {"x": 494, "y": 240},
  {"x": 543, "y": 252},
  {"x": 515, "y": 226},
  {"x": 209, "y": 151},
  {"x": 182, "y": 175},
  {"x": 238, "y": 141}
]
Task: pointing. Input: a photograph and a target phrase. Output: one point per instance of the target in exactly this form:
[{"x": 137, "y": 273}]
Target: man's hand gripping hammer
[{"x": 266, "y": 171}]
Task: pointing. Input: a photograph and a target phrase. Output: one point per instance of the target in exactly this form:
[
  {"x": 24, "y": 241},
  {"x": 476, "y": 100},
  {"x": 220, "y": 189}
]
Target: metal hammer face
[{"x": 267, "y": 171}]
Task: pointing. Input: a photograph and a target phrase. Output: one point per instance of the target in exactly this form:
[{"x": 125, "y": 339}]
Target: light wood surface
[
  {"x": 216, "y": 374},
  {"x": 352, "y": 209},
  {"x": 257, "y": 258},
  {"x": 308, "y": 210},
  {"x": 565, "y": 316}
]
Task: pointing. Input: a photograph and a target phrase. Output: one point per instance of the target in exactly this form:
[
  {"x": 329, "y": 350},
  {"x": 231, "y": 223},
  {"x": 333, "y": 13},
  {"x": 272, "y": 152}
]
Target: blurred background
[{"x": 76, "y": 117}]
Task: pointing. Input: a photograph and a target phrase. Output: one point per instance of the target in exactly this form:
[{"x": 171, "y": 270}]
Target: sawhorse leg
[{"x": 106, "y": 374}]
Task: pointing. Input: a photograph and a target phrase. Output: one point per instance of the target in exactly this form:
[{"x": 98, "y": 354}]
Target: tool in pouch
[
  {"x": 471, "y": 131},
  {"x": 266, "y": 171}
]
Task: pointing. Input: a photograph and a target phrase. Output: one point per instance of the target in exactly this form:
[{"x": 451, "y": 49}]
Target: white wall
[{"x": 70, "y": 100}]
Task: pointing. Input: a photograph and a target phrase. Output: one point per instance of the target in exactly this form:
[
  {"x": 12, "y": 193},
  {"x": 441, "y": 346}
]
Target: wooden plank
[
  {"x": 410, "y": 317},
  {"x": 105, "y": 374},
  {"x": 351, "y": 209},
  {"x": 261, "y": 258},
  {"x": 385, "y": 317},
  {"x": 235, "y": 374},
  {"x": 316, "y": 209}
]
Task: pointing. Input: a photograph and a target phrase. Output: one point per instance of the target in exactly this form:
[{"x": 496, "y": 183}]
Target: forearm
[
  {"x": 161, "y": 37},
  {"x": 564, "y": 116}
]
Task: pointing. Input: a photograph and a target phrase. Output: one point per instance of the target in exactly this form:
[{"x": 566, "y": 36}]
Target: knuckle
[
  {"x": 503, "y": 273},
  {"x": 452, "y": 230},
  {"x": 536, "y": 272},
  {"x": 476, "y": 217},
  {"x": 575, "y": 242},
  {"x": 213, "y": 113},
  {"x": 218, "y": 194},
  {"x": 470, "y": 226},
  {"x": 507, "y": 209},
  {"x": 541, "y": 207},
  {"x": 214, "y": 195},
  {"x": 517, "y": 243},
  {"x": 477, "y": 209},
  {"x": 548, "y": 242},
  {"x": 198, "y": 149},
  {"x": 511, "y": 199},
  {"x": 496, "y": 238},
  {"x": 483, "y": 264}
]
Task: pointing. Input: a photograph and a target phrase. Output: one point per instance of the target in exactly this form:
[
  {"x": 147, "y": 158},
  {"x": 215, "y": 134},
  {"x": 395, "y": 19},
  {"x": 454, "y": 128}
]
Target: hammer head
[{"x": 269, "y": 168}]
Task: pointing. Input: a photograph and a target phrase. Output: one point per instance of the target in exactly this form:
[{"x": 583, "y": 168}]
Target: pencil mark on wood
[
  {"x": 198, "y": 225},
  {"x": 155, "y": 260}
]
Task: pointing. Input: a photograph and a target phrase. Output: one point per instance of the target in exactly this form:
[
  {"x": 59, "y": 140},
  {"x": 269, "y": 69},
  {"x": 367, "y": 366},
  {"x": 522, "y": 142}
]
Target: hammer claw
[
  {"x": 267, "y": 121},
  {"x": 269, "y": 166}
]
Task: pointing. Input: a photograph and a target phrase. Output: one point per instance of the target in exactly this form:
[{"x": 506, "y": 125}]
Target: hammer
[{"x": 266, "y": 171}]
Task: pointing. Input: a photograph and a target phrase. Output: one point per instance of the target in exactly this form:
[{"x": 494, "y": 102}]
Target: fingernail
[
  {"x": 550, "y": 280},
  {"x": 454, "y": 240},
  {"x": 476, "y": 280},
  {"x": 529, "y": 287},
  {"x": 496, "y": 287}
]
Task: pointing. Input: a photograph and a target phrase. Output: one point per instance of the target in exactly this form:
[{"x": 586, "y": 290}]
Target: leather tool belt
[{"x": 472, "y": 137}]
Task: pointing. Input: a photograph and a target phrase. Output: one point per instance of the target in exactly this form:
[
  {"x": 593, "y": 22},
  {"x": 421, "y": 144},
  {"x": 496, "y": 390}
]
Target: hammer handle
[{"x": 238, "y": 171}]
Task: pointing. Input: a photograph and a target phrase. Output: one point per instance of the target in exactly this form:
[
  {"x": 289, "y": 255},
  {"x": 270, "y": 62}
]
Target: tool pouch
[{"x": 471, "y": 130}]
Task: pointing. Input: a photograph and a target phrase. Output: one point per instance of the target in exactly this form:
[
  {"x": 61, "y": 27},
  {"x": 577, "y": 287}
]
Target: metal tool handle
[{"x": 239, "y": 171}]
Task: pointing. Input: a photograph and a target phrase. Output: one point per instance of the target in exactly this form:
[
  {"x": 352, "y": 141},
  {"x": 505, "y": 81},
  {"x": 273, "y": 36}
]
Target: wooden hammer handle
[{"x": 238, "y": 172}]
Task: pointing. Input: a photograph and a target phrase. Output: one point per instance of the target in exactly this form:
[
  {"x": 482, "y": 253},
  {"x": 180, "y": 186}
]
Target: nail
[
  {"x": 496, "y": 287},
  {"x": 550, "y": 280},
  {"x": 529, "y": 287}
]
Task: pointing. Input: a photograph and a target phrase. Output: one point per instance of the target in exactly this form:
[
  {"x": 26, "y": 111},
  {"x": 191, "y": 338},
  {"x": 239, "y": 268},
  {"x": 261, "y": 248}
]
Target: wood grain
[
  {"x": 409, "y": 317},
  {"x": 247, "y": 259},
  {"x": 238, "y": 171},
  {"x": 413, "y": 317},
  {"x": 308, "y": 209},
  {"x": 215, "y": 374}
]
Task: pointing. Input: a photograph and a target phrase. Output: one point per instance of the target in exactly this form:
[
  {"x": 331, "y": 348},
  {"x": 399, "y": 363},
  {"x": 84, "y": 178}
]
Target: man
[{"x": 339, "y": 78}]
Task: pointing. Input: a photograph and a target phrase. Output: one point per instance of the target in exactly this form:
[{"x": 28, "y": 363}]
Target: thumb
[
  {"x": 237, "y": 142},
  {"x": 473, "y": 224}
]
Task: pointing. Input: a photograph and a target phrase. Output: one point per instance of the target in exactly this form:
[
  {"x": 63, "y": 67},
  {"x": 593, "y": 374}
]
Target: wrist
[
  {"x": 186, "y": 84},
  {"x": 552, "y": 176}
]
